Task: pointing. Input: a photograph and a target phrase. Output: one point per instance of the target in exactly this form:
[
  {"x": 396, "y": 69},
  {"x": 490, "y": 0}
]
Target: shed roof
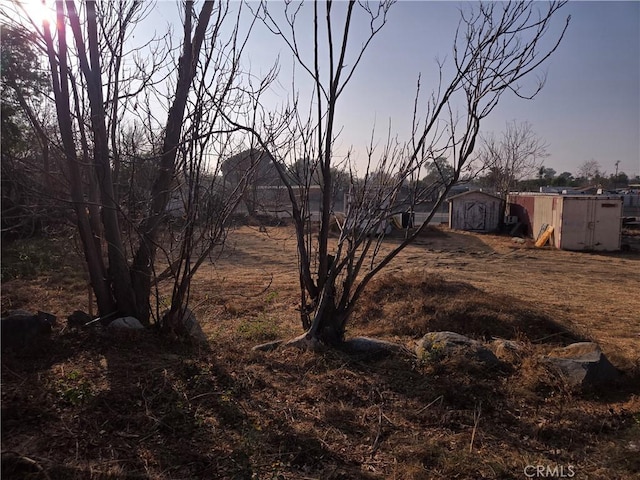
[
  {"x": 494, "y": 197},
  {"x": 567, "y": 195}
]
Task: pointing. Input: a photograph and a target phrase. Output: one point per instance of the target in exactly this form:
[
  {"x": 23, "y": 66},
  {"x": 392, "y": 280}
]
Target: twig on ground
[
  {"x": 376, "y": 442},
  {"x": 430, "y": 403},
  {"x": 476, "y": 420}
]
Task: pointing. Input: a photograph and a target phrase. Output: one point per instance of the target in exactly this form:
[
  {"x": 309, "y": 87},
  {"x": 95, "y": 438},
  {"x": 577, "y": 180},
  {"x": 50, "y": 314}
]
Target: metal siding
[
  {"x": 523, "y": 207},
  {"x": 543, "y": 214},
  {"x": 607, "y": 234},
  {"x": 557, "y": 210},
  {"x": 580, "y": 222},
  {"x": 590, "y": 225},
  {"x": 574, "y": 224}
]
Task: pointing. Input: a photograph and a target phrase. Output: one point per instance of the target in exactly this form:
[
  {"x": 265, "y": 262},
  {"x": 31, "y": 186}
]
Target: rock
[
  {"x": 125, "y": 323},
  {"x": 188, "y": 326},
  {"x": 20, "y": 328},
  {"x": 518, "y": 240},
  {"x": 507, "y": 349},
  {"x": 436, "y": 345},
  {"x": 582, "y": 364},
  {"x": 78, "y": 319},
  {"x": 193, "y": 328}
]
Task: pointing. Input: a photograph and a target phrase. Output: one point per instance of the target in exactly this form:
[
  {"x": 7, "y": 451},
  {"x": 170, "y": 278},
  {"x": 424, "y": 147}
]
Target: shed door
[
  {"x": 607, "y": 216},
  {"x": 591, "y": 224},
  {"x": 474, "y": 215}
]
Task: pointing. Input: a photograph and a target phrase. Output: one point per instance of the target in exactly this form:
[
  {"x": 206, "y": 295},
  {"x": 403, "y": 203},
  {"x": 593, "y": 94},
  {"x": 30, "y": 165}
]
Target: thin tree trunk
[
  {"x": 97, "y": 270},
  {"x": 118, "y": 268},
  {"x": 161, "y": 189}
]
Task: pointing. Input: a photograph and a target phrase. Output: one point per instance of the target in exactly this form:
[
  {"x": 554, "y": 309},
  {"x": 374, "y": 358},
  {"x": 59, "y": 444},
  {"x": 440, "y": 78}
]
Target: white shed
[
  {"x": 475, "y": 211},
  {"x": 580, "y": 222}
]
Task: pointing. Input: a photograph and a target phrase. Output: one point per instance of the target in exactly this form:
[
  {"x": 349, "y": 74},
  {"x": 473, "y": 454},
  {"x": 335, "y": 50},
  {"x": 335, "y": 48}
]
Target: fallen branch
[{"x": 476, "y": 421}]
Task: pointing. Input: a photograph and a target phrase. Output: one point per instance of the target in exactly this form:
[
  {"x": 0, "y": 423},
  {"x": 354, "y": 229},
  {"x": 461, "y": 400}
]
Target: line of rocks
[{"x": 580, "y": 364}]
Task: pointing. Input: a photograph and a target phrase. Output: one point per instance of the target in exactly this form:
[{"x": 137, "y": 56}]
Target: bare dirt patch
[{"x": 88, "y": 406}]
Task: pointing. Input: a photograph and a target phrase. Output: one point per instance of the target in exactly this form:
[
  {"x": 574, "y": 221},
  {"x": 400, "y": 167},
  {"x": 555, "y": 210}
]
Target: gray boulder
[
  {"x": 187, "y": 326},
  {"x": 193, "y": 328},
  {"x": 507, "y": 349},
  {"x": 125, "y": 323},
  {"x": 21, "y": 329},
  {"x": 582, "y": 364},
  {"x": 437, "y": 345}
]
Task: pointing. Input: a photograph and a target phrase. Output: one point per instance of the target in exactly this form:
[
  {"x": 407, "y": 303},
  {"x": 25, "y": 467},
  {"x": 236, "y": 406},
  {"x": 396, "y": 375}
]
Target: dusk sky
[{"x": 588, "y": 110}]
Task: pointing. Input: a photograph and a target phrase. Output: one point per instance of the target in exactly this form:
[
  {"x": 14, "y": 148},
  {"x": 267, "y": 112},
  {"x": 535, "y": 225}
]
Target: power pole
[{"x": 615, "y": 179}]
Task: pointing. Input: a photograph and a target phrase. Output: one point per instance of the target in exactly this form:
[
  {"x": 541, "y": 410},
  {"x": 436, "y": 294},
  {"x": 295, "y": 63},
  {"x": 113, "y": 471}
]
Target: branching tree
[
  {"x": 518, "y": 154},
  {"x": 496, "y": 46},
  {"x": 589, "y": 170},
  {"x": 98, "y": 102}
]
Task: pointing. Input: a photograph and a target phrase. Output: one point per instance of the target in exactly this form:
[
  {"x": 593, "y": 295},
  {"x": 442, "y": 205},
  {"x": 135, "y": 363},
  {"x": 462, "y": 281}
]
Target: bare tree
[
  {"x": 516, "y": 155},
  {"x": 589, "y": 170},
  {"x": 97, "y": 100},
  {"x": 496, "y": 46}
]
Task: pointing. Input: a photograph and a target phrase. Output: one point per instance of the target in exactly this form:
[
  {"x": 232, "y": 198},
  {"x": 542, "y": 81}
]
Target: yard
[{"x": 87, "y": 405}]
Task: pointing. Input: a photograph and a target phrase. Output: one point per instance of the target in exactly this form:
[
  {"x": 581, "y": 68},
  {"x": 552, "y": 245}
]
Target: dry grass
[{"x": 88, "y": 406}]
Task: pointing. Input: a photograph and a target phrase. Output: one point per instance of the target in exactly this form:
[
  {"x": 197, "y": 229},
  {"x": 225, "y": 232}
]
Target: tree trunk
[
  {"x": 161, "y": 190},
  {"x": 119, "y": 276},
  {"x": 328, "y": 326},
  {"x": 59, "y": 71}
]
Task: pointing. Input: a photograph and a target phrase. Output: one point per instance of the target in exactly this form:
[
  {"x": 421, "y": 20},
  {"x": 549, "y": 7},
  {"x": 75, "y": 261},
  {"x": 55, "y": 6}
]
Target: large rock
[
  {"x": 187, "y": 326},
  {"x": 21, "y": 329},
  {"x": 78, "y": 319},
  {"x": 193, "y": 328},
  {"x": 125, "y": 323},
  {"x": 507, "y": 350},
  {"x": 436, "y": 345},
  {"x": 582, "y": 364}
]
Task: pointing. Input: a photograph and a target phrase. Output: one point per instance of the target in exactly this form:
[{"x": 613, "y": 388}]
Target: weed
[
  {"x": 261, "y": 328},
  {"x": 434, "y": 354},
  {"x": 271, "y": 297},
  {"x": 73, "y": 389},
  {"x": 28, "y": 259}
]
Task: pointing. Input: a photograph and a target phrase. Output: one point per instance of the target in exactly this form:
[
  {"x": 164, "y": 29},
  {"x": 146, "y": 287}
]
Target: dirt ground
[{"x": 88, "y": 405}]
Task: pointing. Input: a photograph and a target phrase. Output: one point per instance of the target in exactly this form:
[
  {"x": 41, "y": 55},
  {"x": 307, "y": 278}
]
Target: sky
[{"x": 588, "y": 110}]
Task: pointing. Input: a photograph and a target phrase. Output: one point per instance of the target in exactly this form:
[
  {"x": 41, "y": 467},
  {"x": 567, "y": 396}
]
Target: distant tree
[
  {"x": 528, "y": 185},
  {"x": 254, "y": 167},
  {"x": 619, "y": 181},
  {"x": 565, "y": 179},
  {"x": 439, "y": 171},
  {"x": 548, "y": 174},
  {"x": 589, "y": 170},
  {"x": 515, "y": 156}
]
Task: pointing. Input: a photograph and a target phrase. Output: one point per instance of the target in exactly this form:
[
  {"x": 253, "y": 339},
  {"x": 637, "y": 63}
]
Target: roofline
[{"x": 474, "y": 191}]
